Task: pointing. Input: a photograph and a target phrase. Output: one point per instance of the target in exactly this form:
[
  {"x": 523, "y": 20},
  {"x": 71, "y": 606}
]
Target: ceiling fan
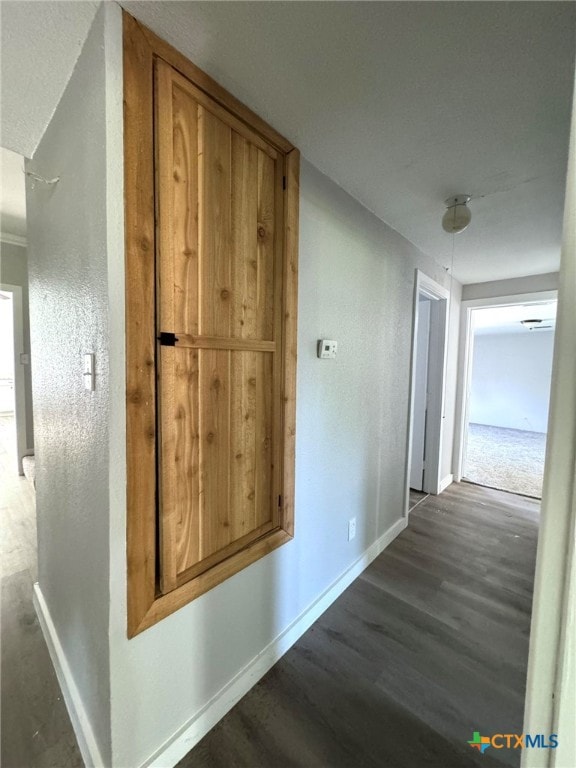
[{"x": 534, "y": 324}]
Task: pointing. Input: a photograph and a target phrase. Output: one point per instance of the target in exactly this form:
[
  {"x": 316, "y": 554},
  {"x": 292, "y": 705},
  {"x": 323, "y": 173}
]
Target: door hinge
[
  {"x": 279, "y": 501},
  {"x": 167, "y": 339},
  {"x": 283, "y": 182}
]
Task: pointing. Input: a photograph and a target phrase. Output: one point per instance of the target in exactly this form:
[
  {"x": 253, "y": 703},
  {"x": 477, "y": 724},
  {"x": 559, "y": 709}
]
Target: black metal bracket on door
[{"x": 167, "y": 339}]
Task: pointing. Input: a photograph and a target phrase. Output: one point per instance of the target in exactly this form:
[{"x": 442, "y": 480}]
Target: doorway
[
  {"x": 427, "y": 388},
  {"x": 12, "y": 392},
  {"x": 509, "y": 344}
]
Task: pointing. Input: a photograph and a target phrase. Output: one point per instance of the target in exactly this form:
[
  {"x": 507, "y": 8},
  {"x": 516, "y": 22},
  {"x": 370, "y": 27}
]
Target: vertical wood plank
[
  {"x": 215, "y": 226},
  {"x": 290, "y": 334},
  {"x": 242, "y": 443},
  {"x": 184, "y": 229},
  {"x": 214, "y": 391},
  {"x": 187, "y": 458},
  {"x": 250, "y": 441},
  {"x": 140, "y": 323},
  {"x": 163, "y": 140},
  {"x": 266, "y": 245},
  {"x": 244, "y": 214},
  {"x": 278, "y": 333},
  {"x": 266, "y": 506}
]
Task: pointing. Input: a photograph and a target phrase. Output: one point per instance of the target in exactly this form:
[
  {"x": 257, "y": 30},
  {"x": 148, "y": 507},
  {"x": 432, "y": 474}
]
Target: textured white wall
[
  {"x": 511, "y": 376},
  {"x": 356, "y": 285},
  {"x": 67, "y": 250}
]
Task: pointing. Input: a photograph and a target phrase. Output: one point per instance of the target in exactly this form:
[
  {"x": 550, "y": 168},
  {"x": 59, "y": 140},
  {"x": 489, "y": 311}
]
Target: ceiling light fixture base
[{"x": 457, "y": 215}]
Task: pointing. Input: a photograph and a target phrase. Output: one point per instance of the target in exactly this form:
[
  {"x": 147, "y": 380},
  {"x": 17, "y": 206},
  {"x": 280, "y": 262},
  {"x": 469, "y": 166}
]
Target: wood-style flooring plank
[{"x": 429, "y": 644}]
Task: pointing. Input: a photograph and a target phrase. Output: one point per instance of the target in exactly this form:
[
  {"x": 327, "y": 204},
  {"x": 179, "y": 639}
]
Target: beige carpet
[{"x": 507, "y": 459}]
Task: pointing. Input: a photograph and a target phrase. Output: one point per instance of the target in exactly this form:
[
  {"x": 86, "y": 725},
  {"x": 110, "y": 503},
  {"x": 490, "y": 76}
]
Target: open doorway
[
  {"x": 427, "y": 389},
  {"x": 12, "y": 385},
  {"x": 7, "y": 405},
  {"x": 507, "y": 396}
]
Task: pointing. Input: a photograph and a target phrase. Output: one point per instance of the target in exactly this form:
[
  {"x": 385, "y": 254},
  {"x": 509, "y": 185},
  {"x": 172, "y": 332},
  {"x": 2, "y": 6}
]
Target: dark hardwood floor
[
  {"x": 35, "y": 731},
  {"x": 428, "y": 645},
  {"x": 415, "y": 497}
]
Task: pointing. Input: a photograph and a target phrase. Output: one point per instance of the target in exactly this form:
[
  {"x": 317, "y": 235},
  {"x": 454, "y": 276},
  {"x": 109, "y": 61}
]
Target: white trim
[
  {"x": 438, "y": 359},
  {"x": 465, "y": 359},
  {"x": 445, "y": 482},
  {"x": 80, "y": 721},
  {"x": 10, "y": 239},
  {"x": 20, "y": 415},
  {"x": 181, "y": 742}
]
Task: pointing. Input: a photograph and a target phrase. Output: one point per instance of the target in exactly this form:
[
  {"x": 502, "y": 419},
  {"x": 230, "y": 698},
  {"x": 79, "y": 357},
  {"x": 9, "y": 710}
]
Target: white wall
[
  {"x": 511, "y": 376},
  {"x": 512, "y": 287},
  {"x": 356, "y": 285},
  {"x": 67, "y": 250}
]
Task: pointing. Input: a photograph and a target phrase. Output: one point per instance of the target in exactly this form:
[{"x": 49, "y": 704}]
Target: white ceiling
[
  {"x": 401, "y": 103},
  {"x": 497, "y": 320},
  {"x": 39, "y": 44}
]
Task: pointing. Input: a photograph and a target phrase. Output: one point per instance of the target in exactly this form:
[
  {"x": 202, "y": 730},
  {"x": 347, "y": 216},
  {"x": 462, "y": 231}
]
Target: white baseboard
[
  {"x": 199, "y": 724},
  {"x": 445, "y": 482},
  {"x": 80, "y": 722}
]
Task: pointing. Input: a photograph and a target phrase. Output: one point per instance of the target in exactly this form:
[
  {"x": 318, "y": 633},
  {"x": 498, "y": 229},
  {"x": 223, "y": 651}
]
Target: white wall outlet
[
  {"x": 327, "y": 348},
  {"x": 351, "y": 529}
]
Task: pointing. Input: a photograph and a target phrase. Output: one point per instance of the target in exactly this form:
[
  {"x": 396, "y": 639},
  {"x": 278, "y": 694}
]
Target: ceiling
[
  {"x": 497, "y": 320},
  {"x": 39, "y": 44},
  {"x": 401, "y": 103}
]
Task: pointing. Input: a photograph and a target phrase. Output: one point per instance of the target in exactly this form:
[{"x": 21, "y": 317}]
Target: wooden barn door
[{"x": 219, "y": 206}]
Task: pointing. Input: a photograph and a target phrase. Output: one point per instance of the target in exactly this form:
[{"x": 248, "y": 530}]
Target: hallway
[
  {"x": 36, "y": 730},
  {"x": 428, "y": 645}
]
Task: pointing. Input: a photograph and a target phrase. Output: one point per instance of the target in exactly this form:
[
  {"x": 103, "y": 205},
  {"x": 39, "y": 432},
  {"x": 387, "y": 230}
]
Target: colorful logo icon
[
  {"x": 513, "y": 741},
  {"x": 481, "y": 743}
]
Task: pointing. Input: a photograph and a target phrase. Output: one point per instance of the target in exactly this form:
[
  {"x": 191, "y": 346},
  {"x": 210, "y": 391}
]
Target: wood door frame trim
[{"x": 145, "y": 606}]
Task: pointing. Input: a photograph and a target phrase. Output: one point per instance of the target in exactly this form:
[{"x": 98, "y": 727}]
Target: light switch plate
[
  {"x": 327, "y": 348},
  {"x": 351, "y": 528},
  {"x": 89, "y": 372}
]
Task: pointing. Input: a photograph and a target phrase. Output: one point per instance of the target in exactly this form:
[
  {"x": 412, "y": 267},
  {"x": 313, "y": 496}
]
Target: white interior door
[{"x": 420, "y": 394}]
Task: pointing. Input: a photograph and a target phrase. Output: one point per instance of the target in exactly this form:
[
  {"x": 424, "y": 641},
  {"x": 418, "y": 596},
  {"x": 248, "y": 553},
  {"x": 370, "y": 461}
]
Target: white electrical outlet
[{"x": 351, "y": 529}]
